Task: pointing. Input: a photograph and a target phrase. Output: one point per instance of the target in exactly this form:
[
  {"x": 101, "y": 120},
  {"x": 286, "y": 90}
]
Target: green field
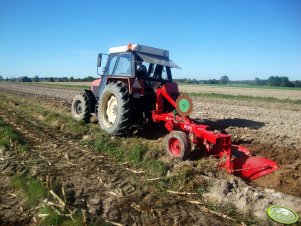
[{"x": 244, "y": 86}]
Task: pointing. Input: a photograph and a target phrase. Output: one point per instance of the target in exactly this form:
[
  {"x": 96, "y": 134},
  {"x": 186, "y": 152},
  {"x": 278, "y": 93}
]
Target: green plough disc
[
  {"x": 282, "y": 215},
  {"x": 184, "y": 105}
]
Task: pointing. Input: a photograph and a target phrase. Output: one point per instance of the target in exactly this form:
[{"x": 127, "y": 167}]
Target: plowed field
[{"x": 118, "y": 192}]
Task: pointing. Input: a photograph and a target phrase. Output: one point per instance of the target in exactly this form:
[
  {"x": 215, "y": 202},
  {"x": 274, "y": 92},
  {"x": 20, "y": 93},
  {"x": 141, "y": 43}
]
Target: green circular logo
[
  {"x": 184, "y": 105},
  {"x": 282, "y": 214}
]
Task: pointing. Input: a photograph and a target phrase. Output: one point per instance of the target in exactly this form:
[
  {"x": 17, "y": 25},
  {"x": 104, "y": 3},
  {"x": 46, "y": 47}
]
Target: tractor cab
[{"x": 139, "y": 67}]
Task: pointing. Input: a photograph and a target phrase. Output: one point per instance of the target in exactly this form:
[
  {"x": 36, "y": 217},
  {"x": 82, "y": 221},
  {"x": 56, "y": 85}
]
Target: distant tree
[
  {"x": 189, "y": 81},
  {"x": 72, "y": 79},
  {"x": 211, "y": 81},
  {"x": 1, "y": 78},
  {"x": 285, "y": 82},
  {"x": 271, "y": 80},
  {"x": 195, "y": 81},
  {"x": 260, "y": 82},
  {"x": 36, "y": 78},
  {"x": 274, "y": 81},
  {"x": 7, "y": 79},
  {"x": 279, "y": 81},
  {"x": 257, "y": 81},
  {"x": 297, "y": 83},
  {"x": 224, "y": 80},
  {"x": 192, "y": 81},
  {"x": 88, "y": 79},
  {"x": 51, "y": 79}
]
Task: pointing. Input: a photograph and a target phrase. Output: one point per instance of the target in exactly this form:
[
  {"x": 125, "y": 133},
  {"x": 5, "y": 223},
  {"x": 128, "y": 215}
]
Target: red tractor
[{"x": 136, "y": 88}]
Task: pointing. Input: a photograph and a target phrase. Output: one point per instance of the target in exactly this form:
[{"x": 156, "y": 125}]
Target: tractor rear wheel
[
  {"x": 80, "y": 108},
  {"x": 114, "y": 111},
  {"x": 178, "y": 145}
]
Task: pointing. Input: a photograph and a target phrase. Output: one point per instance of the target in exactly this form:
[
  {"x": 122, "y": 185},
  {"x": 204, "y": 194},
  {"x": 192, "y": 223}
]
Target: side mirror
[{"x": 99, "y": 60}]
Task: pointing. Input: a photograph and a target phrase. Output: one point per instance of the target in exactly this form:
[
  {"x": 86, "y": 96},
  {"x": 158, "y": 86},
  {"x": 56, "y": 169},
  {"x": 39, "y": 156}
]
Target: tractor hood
[{"x": 155, "y": 59}]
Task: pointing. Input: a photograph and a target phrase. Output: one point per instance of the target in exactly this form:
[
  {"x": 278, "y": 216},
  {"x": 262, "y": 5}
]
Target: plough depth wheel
[{"x": 178, "y": 145}]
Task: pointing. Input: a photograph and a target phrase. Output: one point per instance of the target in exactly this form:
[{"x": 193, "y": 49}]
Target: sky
[{"x": 242, "y": 39}]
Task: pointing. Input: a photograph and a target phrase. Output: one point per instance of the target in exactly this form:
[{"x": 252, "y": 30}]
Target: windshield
[
  {"x": 111, "y": 64},
  {"x": 119, "y": 64},
  {"x": 124, "y": 64}
]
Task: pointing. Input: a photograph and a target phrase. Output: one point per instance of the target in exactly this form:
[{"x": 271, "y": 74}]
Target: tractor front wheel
[
  {"x": 80, "y": 108},
  {"x": 178, "y": 145}
]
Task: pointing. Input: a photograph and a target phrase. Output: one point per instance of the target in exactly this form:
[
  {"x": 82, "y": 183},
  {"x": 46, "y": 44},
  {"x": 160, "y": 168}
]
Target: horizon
[
  {"x": 208, "y": 39},
  {"x": 95, "y": 77}
]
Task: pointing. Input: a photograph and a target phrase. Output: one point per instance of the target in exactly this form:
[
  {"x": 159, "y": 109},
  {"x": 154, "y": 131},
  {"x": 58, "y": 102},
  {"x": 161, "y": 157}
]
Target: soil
[
  {"x": 271, "y": 130},
  {"x": 13, "y": 208},
  {"x": 108, "y": 191},
  {"x": 105, "y": 189}
]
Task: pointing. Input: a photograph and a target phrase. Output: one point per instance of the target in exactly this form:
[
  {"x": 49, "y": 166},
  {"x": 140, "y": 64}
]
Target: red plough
[{"x": 234, "y": 159}]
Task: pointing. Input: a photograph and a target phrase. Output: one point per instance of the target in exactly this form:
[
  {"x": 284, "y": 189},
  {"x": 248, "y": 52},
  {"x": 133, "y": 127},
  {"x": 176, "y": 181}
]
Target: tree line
[
  {"x": 54, "y": 79},
  {"x": 277, "y": 81},
  {"x": 62, "y": 79}
]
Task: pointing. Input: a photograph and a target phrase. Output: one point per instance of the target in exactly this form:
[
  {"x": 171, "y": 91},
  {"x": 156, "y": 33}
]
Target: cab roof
[{"x": 140, "y": 48}]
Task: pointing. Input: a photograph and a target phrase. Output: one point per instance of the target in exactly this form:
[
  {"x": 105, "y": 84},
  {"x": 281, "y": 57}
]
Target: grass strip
[
  {"x": 8, "y": 137},
  {"x": 32, "y": 188},
  {"x": 125, "y": 152},
  {"x": 7, "y": 134},
  {"x": 130, "y": 150}
]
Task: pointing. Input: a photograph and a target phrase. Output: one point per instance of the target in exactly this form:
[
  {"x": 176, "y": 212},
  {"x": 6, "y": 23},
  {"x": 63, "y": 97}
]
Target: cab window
[
  {"x": 124, "y": 65},
  {"x": 111, "y": 64},
  {"x": 162, "y": 73}
]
